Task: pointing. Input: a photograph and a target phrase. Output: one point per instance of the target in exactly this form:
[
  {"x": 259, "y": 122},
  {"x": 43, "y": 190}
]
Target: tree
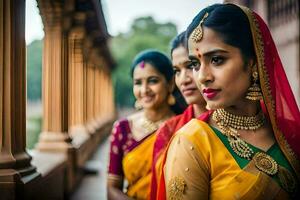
[
  {"x": 145, "y": 33},
  {"x": 34, "y": 70}
]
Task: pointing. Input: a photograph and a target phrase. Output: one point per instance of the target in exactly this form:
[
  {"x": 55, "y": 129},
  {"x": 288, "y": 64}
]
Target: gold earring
[
  {"x": 254, "y": 92},
  {"x": 137, "y": 105},
  {"x": 171, "y": 100}
]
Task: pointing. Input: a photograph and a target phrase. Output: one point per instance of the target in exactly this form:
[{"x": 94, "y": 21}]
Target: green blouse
[{"x": 274, "y": 151}]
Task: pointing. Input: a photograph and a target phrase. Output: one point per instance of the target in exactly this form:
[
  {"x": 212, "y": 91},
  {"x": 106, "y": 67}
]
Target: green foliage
[
  {"x": 33, "y": 129},
  {"x": 34, "y": 70},
  {"x": 145, "y": 33}
]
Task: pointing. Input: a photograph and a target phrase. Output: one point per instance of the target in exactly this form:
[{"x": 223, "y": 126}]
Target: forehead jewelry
[
  {"x": 197, "y": 34},
  {"x": 142, "y": 64}
]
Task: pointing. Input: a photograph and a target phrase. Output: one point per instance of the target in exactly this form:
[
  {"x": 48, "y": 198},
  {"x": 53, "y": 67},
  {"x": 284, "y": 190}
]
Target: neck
[
  {"x": 158, "y": 114},
  {"x": 245, "y": 109},
  {"x": 198, "y": 109}
]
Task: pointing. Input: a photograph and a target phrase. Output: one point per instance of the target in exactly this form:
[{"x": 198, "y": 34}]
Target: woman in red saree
[
  {"x": 240, "y": 152},
  {"x": 186, "y": 85}
]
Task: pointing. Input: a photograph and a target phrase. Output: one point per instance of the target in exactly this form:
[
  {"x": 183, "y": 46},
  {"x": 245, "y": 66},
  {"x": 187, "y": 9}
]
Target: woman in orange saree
[
  {"x": 132, "y": 138},
  {"x": 184, "y": 81},
  {"x": 239, "y": 152}
]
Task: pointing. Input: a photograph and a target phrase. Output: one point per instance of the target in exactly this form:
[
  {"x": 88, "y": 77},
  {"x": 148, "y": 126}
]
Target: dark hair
[
  {"x": 231, "y": 23},
  {"x": 157, "y": 59},
  {"x": 164, "y": 65},
  {"x": 179, "y": 40}
]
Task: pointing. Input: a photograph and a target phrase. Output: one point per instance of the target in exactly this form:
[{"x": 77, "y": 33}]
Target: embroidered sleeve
[
  {"x": 116, "y": 150},
  {"x": 186, "y": 175}
]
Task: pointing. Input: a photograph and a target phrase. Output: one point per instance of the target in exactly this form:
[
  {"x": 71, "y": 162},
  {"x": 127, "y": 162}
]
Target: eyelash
[
  {"x": 188, "y": 66},
  {"x": 218, "y": 60},
  {"x": 176, "y": 71},
  {"x": 149, "y": 81},
  {"x": 195, "y": 65},
  {"x": 215, "y": 60},
  {"x": 137, "y": 83},
  {"x": 153, "y": 81}
]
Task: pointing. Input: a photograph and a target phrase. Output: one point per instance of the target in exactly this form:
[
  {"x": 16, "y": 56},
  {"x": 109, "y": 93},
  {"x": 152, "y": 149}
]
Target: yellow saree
[
  {"x": 137, "y": 169},
  {"x": 196, "y": 151}
]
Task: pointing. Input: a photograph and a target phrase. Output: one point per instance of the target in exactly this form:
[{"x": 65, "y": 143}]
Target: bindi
[{"x": 142, "y": 64}]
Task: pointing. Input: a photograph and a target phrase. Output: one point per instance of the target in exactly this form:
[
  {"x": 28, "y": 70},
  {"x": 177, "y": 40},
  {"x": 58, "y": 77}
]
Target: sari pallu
[{"x": 137, "y": 169}]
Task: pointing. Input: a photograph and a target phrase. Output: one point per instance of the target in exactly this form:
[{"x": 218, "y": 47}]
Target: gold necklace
[
  {"x": 239, "y": 122},
  {"x": 229, "y": 124},
  {"x": 151, "y": 126}
]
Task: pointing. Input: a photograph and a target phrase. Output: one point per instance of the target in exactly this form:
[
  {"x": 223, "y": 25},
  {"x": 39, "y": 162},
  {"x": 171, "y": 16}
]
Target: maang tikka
[
  {"x": 254, "y": 92},
  {"x": 197, "y": 34}
]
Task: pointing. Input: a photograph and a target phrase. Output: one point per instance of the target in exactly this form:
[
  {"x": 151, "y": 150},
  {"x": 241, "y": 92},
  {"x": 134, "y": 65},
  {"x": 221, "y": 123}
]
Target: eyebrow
[
  {"x": 184, "y": 62},
  {"x": 209, "y": 53},
  {"x": 149, "y": 77}
]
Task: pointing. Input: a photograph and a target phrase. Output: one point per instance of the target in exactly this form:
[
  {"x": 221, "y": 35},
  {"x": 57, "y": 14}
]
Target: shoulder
[
  {"x": 172, "y": 122},
  {"x": 120, "y": 123},
  {"x": 121, "y": 126},
  {"x": 194, "y": 128},
  {"x": 198, "y": 134},
  {"x": 169, "y": 127}
]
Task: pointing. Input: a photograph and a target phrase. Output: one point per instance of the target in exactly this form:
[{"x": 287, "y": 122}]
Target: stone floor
[{"x": 93, "y": 186}]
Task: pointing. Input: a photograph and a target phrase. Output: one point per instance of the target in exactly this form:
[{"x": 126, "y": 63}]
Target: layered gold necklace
[{"x": 229, "y": 125}]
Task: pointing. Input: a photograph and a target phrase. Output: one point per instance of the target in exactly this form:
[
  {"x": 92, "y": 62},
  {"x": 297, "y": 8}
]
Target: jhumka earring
[
  {"x": 197, "y": 34},
  {"x": 171, "y": 100},
  {"x": 137, "y": 105},
  {"x": 254, "y": 92}
]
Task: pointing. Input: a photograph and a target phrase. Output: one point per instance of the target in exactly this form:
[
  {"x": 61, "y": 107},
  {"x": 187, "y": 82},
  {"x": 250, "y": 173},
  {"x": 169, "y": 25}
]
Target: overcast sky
[{"x": 119, "y": 14}]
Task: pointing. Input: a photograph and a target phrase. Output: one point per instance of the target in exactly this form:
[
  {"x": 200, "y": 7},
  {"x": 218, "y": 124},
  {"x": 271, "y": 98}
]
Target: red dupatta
[
  {"x": 164, "y": 135},
  {"x": 277, "y": 94}
]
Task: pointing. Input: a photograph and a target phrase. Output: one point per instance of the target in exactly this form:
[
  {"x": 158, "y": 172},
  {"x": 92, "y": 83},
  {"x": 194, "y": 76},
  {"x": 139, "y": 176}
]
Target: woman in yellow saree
[
  {"x": 132, "y": 138},
  {"x": 248, "y": 148}
]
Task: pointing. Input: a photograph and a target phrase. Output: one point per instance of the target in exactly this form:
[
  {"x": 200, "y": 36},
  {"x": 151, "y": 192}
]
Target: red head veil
[{"x": 278, "y": 96}]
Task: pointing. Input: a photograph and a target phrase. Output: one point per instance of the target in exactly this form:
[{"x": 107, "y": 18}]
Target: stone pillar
[
  {"x": 76, "y": 84},
  {"x": 98, "y": 93},
  {"x": 90, "y": 105},
  {"x": 85, "y": 81},
  {"x": 15, "y": 169},
  {"x": 111, "y": 99},
  {"x": 55, "y": 80}
]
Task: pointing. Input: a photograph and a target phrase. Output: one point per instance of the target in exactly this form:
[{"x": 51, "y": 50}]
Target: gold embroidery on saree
[{"x": 176, "y": 188}]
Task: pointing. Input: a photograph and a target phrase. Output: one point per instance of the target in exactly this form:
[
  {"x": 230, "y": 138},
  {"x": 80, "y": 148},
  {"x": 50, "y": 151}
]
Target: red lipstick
[{"x": 210, "y": 93}]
